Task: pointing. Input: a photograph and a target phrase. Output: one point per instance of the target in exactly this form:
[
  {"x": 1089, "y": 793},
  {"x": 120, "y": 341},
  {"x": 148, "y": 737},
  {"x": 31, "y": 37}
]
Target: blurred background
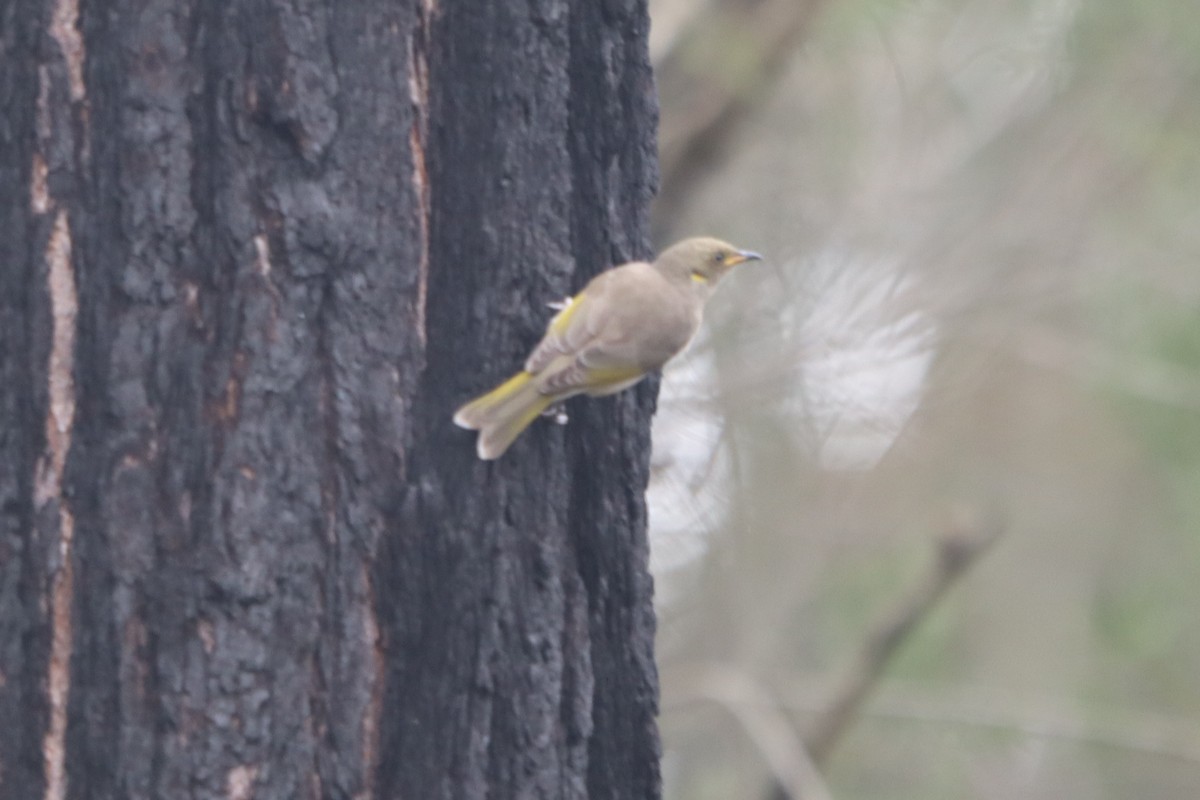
[{"x": 925, "y": 511}]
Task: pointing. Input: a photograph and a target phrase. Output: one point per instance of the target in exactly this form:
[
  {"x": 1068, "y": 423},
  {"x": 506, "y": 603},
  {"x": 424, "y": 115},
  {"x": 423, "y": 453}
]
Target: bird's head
[{"x": 701, "y": 260}]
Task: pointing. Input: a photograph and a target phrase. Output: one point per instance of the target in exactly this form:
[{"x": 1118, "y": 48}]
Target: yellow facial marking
[{"x": 699, "y": 278}]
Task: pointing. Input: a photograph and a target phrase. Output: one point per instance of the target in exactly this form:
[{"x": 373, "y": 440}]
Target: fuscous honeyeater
[{"x": 627, "y": 322}]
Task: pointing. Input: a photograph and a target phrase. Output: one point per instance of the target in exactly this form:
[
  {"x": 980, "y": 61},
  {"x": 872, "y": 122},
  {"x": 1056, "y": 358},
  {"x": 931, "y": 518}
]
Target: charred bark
[{"x": 252, "y": 256}]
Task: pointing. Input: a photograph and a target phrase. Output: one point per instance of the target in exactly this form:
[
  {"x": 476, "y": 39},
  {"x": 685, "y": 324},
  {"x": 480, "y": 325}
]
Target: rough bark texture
[{"x": 251, "y": 257}]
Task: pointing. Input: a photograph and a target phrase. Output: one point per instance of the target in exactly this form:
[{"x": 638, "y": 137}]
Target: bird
[{"x": 626, "y": 322}]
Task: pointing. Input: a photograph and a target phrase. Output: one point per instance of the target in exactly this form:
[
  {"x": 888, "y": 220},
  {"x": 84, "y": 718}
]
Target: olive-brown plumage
[{"x": 628, "y": 321}]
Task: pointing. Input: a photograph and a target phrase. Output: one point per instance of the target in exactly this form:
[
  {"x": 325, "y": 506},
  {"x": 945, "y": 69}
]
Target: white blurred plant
[
  {"x": 851, "y": 354},
  {"x": 866, "y": 352}
]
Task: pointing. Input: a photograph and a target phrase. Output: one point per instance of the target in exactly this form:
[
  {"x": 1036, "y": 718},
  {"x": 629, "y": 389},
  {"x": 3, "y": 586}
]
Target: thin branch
[
  {"x": 711, "y": 74},
  {"x": 760, "y": 716},
  {"x": 958, "y": 549},
  {"x": 795, "y": 760},
  {"x": 1139, "y": 732},
  {"x": 1149, "y": 734}
]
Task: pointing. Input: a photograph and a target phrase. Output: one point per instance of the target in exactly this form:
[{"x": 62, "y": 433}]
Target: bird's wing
[
  {"x": 559, "y": 335},
  {"x": 577, "y": 325},
  {"x": 601, "y": 342}
]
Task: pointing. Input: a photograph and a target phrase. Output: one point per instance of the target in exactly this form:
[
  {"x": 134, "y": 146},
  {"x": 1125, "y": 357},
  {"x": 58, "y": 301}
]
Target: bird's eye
[{"x": 719, "y": 257}]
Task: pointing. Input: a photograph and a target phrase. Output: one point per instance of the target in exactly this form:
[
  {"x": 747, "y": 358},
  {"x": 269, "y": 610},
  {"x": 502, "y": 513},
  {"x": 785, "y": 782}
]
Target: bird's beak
[{"x": 742, "y": 255}]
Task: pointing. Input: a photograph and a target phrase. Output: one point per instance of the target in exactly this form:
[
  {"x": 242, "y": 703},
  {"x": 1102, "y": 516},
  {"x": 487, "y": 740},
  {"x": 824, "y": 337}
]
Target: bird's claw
[{"x": 557, "y": 413}]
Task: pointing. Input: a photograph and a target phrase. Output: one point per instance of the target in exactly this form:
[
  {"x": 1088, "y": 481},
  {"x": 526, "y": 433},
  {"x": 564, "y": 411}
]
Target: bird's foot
[{"x": 557, "y": 413}]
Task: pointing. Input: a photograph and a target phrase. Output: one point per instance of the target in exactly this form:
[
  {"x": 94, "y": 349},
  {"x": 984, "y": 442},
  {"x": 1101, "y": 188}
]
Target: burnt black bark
[{"x": 252, "y": 255}]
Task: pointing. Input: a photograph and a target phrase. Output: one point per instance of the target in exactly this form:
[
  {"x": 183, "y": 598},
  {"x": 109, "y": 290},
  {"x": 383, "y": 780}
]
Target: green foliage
[
  {"x": 859, "y": 592},
  {"x": 1162, "y": 343},
  {"x": 1106, "y": 29},
  {"x": 1141, "y": 617}
]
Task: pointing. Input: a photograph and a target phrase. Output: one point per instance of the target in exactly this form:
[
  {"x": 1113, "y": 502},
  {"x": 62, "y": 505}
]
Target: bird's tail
[{"x": 501, "y": 414}]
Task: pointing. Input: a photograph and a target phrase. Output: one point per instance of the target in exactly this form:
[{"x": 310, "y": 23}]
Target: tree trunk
[{"x": 252, "y": 255}]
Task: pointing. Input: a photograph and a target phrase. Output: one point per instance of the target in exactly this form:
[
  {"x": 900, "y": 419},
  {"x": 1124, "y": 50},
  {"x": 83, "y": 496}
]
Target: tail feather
[{"x": 502, "y": 414}]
